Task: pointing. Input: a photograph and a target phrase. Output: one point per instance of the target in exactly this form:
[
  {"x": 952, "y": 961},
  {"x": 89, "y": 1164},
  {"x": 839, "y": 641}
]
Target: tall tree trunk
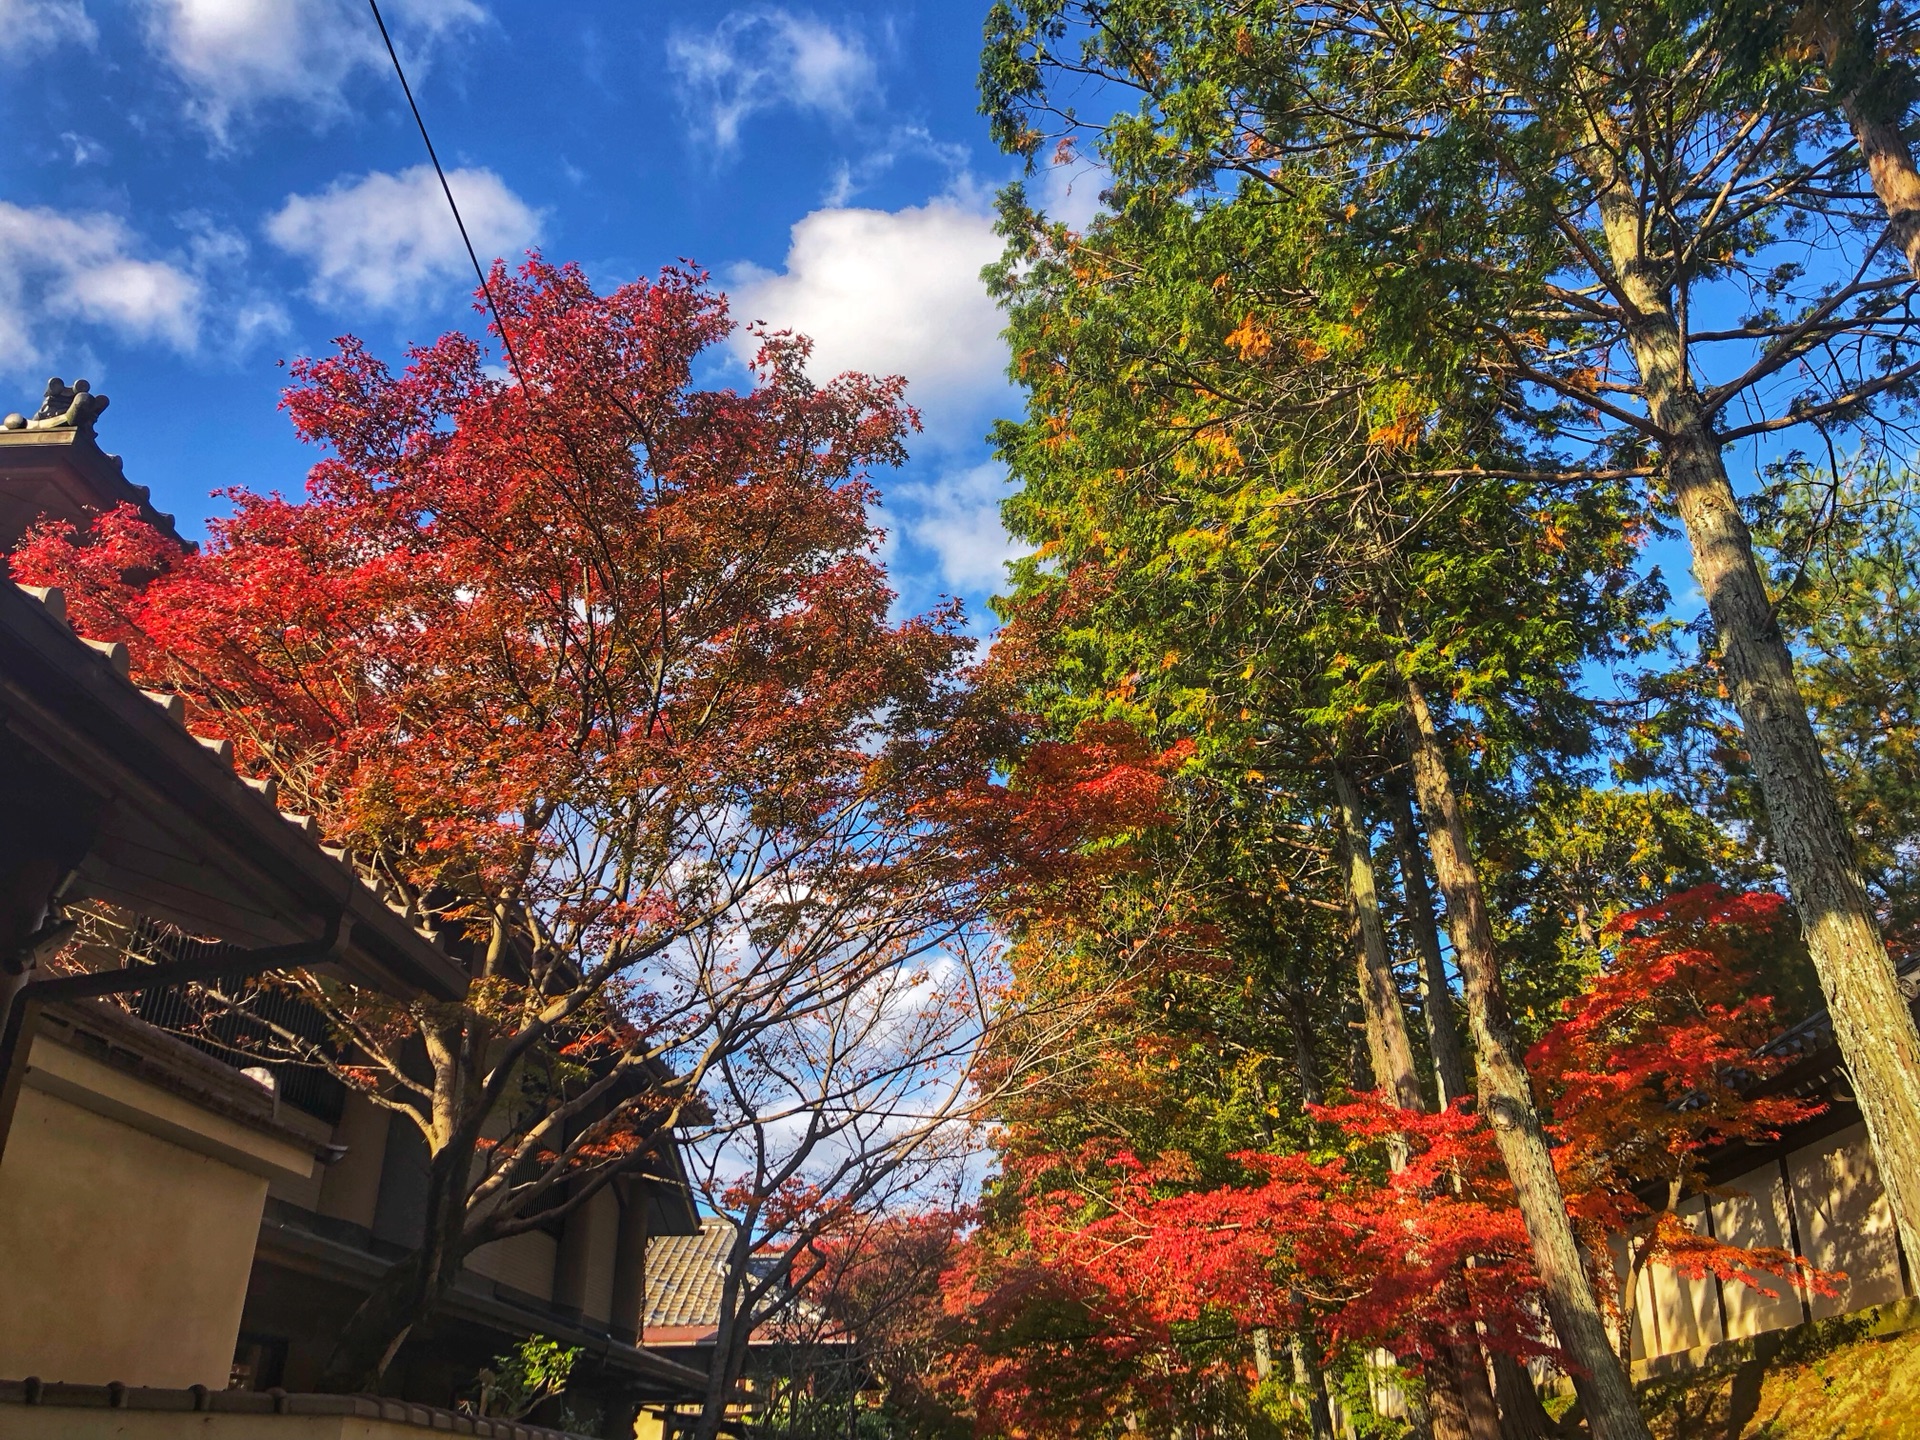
[
  {"x": 1522, "y": 1416},
  {"x": 1310, "y": 1375},
  {"x": 1443, "y": 1035},
  {"x": 1871, "y": 1020},
  {"x": 1462, "y": 1401},
  {"x": 1867, "y": 93},
  {"x": 1449, "y": 1064},
  {"x": 1506, "y": 1095},
  {"x": 1306, "y": 1060},
  {"x": 1388, "y": 1044}
]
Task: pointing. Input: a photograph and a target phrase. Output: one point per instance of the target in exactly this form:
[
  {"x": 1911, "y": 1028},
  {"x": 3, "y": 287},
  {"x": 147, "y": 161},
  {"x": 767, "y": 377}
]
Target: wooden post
[
  {"x": 630, "y": 1267},
  {"x": 570, "y": 1264},
  {"x": 18, "y": 1012}
]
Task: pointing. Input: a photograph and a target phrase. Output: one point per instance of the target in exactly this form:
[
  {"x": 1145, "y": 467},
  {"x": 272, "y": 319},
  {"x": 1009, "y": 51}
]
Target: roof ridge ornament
[{"x": 64, "y": 407}]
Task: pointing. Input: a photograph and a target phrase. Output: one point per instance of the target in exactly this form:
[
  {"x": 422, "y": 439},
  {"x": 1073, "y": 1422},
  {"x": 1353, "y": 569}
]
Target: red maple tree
[
  {"x": 1125, "y": 1286},
  {"x": 593, "y": 668},
  {"x": 1653, "y": 1069}
]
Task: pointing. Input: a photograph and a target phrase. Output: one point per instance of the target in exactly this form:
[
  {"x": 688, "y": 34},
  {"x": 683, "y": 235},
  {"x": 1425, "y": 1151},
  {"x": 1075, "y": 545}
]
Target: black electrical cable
[{"x": 486, "y": 290}]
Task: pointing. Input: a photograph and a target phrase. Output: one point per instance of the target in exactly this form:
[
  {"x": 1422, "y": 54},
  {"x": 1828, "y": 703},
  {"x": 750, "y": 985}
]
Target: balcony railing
[{"x": 241, "y": 1023}]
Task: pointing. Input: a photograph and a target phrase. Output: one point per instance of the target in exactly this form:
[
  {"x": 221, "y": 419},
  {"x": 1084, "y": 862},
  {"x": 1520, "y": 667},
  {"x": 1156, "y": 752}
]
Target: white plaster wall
[
  {"x": 603, "y": 1222},
  {"x": 350, "y": 1189},
  {"x": 1845, "y": 1222},
  {"x": 126, "y": 1256},
  {"x": 524, "y": 1261},
  {"x": 1753, "y": 1215},
  {"x": 1677, "y": 1312}
]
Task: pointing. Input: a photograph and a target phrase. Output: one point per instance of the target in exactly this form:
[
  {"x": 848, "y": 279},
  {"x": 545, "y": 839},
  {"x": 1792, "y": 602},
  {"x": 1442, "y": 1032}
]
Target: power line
[{"x": 486, "y": 289}]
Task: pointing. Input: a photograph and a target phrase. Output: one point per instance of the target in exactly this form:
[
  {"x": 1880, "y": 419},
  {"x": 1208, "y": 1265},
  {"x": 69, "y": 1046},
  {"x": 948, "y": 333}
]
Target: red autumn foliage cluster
[
  {"x": 495, "y": 605},
  {"x": 1119, "y": 1285},
  {"x": 1655, "y": 1065},
  {"x": 1138, "y": 1269},
  {"x": 1062, "y": 825}
]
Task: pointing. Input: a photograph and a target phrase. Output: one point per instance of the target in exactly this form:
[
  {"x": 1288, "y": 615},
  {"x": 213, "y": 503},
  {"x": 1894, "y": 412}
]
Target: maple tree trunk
[
  {"x": 1871, "y": 1020},
  {"x": 411, "y": 1288},
  {"x": 1443, "y": 1035},
  {"x": 1866, "y": 95},
  {"x": 1506, "y": 1095},
  {"x": 414, "y": 1286},
  {"x": 731, "y": 1336}
]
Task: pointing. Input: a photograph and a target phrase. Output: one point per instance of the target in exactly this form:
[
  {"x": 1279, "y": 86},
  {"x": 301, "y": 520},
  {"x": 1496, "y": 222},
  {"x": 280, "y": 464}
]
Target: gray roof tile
[{"x": 685, "y": 1274}]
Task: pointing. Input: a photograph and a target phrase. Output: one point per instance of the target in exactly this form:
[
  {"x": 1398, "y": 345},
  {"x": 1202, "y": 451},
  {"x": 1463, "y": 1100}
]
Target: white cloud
[
  {"x": 903, "y": 142},
  {"x": 388, "y": 242},
  {"x": 212, "y": 245},
  {"x": 234, "y": 55},
  {"x": 957, "y": 518},
  {"x": 56, "y": 269},
  {"x": 218, "y": 254},
  {"x": 82, "y": 149},
  {"x": 767, "y": 58},
  {"x": 30, "y": 26},
  {"x": 893, "y": 293}
]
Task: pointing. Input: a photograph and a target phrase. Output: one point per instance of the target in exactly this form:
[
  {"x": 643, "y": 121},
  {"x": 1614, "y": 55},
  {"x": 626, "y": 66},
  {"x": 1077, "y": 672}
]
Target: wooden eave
[
  {"x": 673, "y": 1211},
  {"x": 474, "y": 1299},
  {"x": 1817, "y": 1071},
  {"x": 177, "y": 834},
  {"x": 130, "y": 1045}
]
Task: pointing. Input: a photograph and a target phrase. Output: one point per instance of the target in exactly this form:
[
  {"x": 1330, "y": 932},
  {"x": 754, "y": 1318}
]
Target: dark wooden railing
[{"x": 235, "y": 1021}]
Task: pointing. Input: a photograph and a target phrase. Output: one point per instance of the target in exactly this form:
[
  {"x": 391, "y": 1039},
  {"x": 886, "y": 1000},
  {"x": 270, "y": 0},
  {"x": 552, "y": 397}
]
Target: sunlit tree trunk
[
  {"x": 1443, "y": 1035},
  {"x": 1871, "y": 1021},
  {"x": 413, "y": 1287},
  {"x": 1388, "y": 1044},
  {"x": 1461, "y": 1400},
  {"x": 1867, "y": 94},
  {"x": 1506, "y": 1094}
]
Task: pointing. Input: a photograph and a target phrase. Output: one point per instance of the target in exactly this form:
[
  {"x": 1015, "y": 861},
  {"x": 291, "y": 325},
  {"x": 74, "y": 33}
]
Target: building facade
[{"x": 1814, "y": 1192}]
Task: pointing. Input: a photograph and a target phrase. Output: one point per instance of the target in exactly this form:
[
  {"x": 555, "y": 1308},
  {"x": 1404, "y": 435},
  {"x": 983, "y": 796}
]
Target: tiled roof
[{"x": 685, "y": 1274}]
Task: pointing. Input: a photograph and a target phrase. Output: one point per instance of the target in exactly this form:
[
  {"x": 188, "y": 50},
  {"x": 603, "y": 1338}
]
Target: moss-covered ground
[{"x": 1834, "y": 1381}]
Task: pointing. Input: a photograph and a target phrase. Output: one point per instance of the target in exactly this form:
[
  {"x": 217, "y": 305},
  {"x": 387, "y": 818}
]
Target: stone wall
[{"x": 30, "y": 1410}]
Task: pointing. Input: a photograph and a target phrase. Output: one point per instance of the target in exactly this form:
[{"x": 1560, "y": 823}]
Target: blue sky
[{"x": 195, "y": 190}]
